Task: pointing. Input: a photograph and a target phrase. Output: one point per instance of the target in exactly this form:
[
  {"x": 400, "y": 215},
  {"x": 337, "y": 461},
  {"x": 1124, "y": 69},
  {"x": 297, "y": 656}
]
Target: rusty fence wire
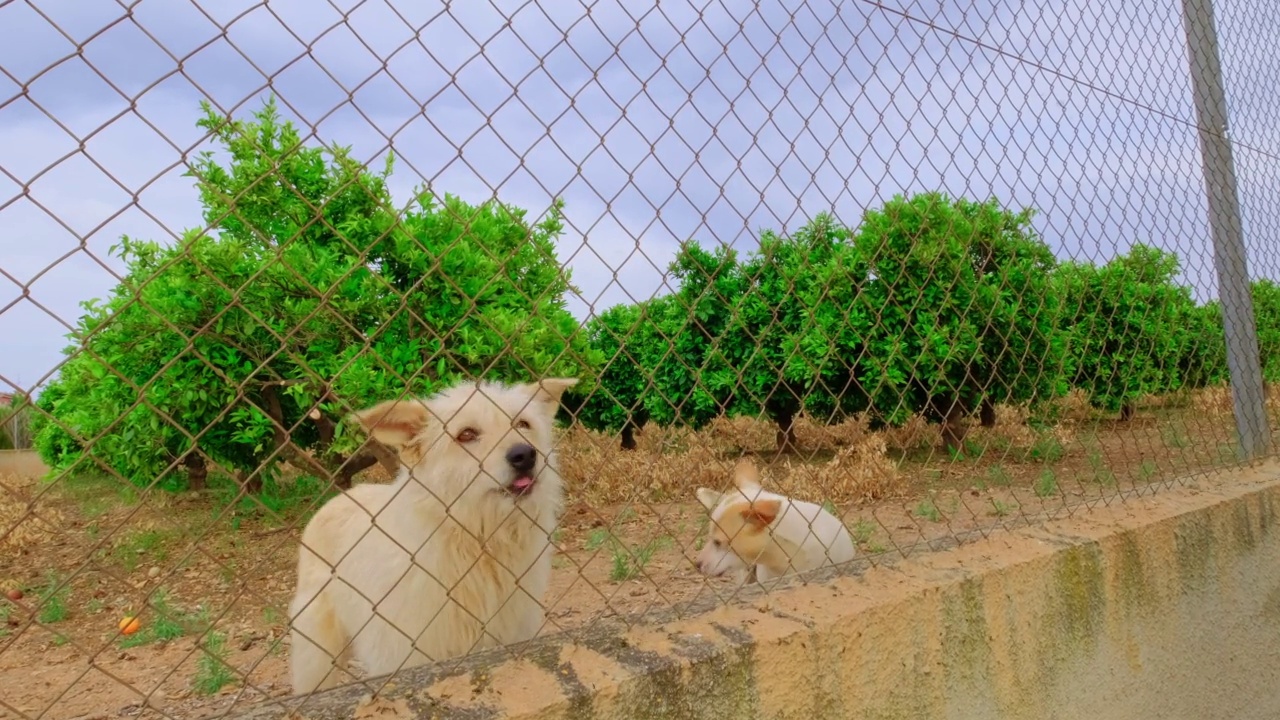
[{"x": 576, "y": 316}]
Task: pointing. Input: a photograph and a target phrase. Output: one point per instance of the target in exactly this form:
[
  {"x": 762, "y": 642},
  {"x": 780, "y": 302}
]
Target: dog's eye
[
  {"x": 716, "y": 543},
  {"x": 523, "y": 425},
  {"x": 467, "y": 435}
]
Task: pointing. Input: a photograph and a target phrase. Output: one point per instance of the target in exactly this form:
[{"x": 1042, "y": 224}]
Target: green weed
[
  {"x": 284, "y": 501},
  {"x": 1101, "y": 473},
  {"x": 212, "y": 670},
  {"x": 151, "y": 544},
  {"x": 1147, "y": 470},
  {"x": 998, "y": 476},
  {"x": 165, "y": 623},
  {"x": 1046, "y": 484},
  {"x": 928, "y": 510},
  {"x": 596, "y": 539},
  {"x": 1046, "y": 449},
  {"x": 53, "y": 602},
  {"x": 629, "y": 563},
  {"x": 1174, "y": 435},
  {"x": 862, "y": 531}
]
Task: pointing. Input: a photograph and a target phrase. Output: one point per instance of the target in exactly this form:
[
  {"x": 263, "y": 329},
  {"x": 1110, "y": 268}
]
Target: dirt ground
[{"x": 209, "y": 576}]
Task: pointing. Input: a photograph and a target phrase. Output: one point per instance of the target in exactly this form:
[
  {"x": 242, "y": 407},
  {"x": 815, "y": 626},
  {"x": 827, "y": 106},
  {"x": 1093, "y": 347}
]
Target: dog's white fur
[
  {"x": 444, "y": 560},
  {"x": 754, "y": 529}
]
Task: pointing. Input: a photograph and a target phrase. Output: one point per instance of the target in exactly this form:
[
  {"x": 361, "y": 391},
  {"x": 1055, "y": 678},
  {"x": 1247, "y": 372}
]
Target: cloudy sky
[{"x": 703, "y": 119}]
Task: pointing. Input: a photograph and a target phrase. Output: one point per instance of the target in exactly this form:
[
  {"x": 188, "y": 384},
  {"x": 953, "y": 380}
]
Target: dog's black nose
[{"x": 522, "y": 457}]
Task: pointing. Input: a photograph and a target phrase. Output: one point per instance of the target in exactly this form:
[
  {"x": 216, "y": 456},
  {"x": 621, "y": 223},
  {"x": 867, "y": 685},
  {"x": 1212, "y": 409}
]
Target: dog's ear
[
  {"x": 549, "y": 391},
  {"x": 709, "y": 498},
  {"x": 394, "y": 422},
  {"x": 762, "y": 513},
  {"x": 746, "y": 476}
]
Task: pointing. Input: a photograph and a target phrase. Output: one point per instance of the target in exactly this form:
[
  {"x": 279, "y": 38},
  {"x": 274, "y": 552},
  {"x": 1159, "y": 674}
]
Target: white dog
[
  {"x": 453, "y": 556},
  {"x": 753, "y": 529}
]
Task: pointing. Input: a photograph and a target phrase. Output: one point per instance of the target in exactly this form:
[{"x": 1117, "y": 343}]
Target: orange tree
[
  {"x": 960, "y": 310},
  {"x": 304, "y": 295},
  {"x": 798, "y": 328},
  {"x": 623, "y": 336},
  {"x": 1129, "y": 327}
]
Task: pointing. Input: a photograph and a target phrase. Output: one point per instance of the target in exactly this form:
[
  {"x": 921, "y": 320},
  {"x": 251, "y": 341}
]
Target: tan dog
[
  {"x": 453, "y": 556},
  {"x": 753, "y": 529}
]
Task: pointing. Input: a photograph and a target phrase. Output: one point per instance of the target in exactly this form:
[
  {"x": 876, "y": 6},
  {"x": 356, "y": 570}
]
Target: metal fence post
[{"x": 1225, "y": 226}]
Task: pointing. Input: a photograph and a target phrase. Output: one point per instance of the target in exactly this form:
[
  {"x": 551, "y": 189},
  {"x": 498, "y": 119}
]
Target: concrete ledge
[{"x": 1160, "y": 606}]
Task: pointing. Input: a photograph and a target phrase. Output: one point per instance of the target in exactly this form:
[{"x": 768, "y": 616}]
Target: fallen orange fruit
[{"x": 130, "y": 625}]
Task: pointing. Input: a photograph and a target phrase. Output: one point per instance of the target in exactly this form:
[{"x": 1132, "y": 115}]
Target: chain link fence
[{"x": 920, "y": 274}]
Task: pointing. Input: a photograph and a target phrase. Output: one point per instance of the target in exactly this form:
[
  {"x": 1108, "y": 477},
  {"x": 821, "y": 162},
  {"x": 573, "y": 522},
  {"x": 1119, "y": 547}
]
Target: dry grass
[
  {"x": 22, "y": 523},
  {"x": 633, "y": 510},
  {"x": 841, "y": 463}
]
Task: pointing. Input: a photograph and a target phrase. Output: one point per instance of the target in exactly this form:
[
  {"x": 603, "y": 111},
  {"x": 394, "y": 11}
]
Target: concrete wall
[{"x": 1162, "y": 606}]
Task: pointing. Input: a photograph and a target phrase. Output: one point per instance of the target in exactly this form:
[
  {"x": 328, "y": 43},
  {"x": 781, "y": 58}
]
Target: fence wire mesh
[{"x": 773, "y": 285}]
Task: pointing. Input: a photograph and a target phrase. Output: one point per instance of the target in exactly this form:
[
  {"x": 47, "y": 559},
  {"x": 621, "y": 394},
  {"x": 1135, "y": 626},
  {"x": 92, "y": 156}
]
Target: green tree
[
  {"x": 798, "y": 328},
  {"x": 1266, "y": 311},
  {"x": 624, "y": 337},
  {"x": 1204, "y": 356},
  {"x": 305, "y": 295},
  {"x": 960, "y": 310},
  {"x": 1022, "y": 353},
  {"x": 15, "y": 423},
  {"x": 1128, "y": 325},
  {"x": 694, "y": 380}
]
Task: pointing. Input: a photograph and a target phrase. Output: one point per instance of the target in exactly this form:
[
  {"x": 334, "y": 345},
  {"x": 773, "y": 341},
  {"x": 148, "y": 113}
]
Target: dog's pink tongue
[{"x": 521, "y": 484}]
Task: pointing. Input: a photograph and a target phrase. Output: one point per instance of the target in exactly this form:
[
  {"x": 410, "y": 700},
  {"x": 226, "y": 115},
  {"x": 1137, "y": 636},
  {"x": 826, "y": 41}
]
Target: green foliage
[
  {"x": 1129, "y": 326},
  {"x": 932, "y": 306},
  {"x": 625, "y": 339},
  {"x": 305, "y": 290},
  {"x": 694, "y": 380},
  {"x": 1204, "y": 357},
  {"x": 15, "y": 423},
  {"x": 1266, "y": 308},
  {"x": 962, "y": 308},
  {"x": 772, "y": 334},
  {"x": 664, "y": 360},
  {"x": 799, "y": 327}
]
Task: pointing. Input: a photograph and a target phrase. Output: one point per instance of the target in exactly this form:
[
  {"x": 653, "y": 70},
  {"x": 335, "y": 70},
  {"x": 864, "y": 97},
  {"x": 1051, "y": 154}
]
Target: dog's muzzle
[{"x": 522, "y": 458}]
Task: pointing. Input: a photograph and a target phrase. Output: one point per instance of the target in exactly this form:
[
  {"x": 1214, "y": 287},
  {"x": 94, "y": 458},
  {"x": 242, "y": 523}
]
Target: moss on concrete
[
  {"x": 1135, "y": 589},
  {"x": 1082, "y": 592},
  {"x": 965, "y": 646},
  {"x": 718, "y": 686},
  {"x": 1194, "y": 546}
]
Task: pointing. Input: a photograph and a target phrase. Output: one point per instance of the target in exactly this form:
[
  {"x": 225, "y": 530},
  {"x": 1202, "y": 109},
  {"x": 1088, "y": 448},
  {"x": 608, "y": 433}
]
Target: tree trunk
[
  {"x": 197, "y": 471},
  {"x": 380, "y": 453},
  {"x": 387, "y": 457},
  {"x": 286, "y": 449},
  {"x": 953, "y": 429},
  {"x": 987, "y": 413},
  {"x": 786, "y": 436},
  {"x": 1126, "y": 412},
  {"x": 250, "y": 483},
  {"x": 324, "y": 426},
  {"x": 629, "y": 436},
  {"x": 353, "y": 465}
]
